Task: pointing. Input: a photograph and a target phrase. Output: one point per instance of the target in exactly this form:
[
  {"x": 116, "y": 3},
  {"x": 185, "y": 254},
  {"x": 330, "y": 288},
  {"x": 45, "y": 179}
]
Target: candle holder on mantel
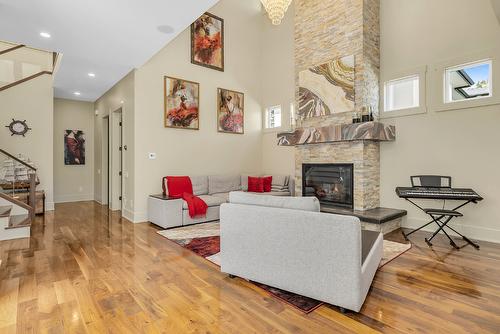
[{"x": 364, "y": 115}]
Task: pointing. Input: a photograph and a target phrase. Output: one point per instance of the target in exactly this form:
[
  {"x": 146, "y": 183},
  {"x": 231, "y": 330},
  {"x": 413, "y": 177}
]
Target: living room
[{"x": 368, "y": 120}]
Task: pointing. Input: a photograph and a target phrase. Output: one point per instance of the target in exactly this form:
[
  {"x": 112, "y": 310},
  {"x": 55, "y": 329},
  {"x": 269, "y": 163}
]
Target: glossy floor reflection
[{"x": 84, "y": 271}]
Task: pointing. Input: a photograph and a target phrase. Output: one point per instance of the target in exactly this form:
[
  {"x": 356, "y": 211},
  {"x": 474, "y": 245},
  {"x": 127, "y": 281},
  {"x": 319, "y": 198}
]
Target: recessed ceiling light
[
  {"x": 45, "y": 34},
  {"x": 92, "y": 75},
  {"x": 77, "y": 93},
  {"x": 121, "y": 101}
]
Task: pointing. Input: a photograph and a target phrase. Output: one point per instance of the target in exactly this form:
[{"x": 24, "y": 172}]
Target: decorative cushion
[
  {"x": 280, "y": 183},
  {"x": 200, "y": 185},
  {"x": 255, "y": 184},
  {"x": 267, "y": 183},
  {"x": 244, "y": 182},
  {"x": 223, "y": 183}
]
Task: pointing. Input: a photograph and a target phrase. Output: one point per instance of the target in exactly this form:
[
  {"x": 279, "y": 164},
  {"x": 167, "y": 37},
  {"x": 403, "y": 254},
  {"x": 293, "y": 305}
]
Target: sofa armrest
[{"x": 165, "y": 213}]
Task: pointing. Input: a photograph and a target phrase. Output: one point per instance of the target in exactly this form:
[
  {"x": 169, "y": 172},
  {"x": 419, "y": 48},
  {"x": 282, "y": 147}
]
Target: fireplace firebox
[{"x": 332, "y": 184}]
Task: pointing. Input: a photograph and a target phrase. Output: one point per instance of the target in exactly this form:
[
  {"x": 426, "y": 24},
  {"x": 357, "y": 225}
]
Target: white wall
[
  {"x": 204, "y": 151},
  {"x": 32, "y": 101},
  {"x": 278, "y": 88},
  {"x": 122, "y": 95},
  {"x": 73, "y": 183},
  {"x": 461, "y": 143}
]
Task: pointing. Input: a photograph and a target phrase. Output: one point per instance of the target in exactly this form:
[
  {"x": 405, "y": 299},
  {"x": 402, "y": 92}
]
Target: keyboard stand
[{"x": 437, "y": 216}]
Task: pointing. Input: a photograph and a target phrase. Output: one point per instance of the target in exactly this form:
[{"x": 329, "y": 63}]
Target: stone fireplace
[
  {"x": 363, "y": 155},
  {"x": 326, "y": 30}
]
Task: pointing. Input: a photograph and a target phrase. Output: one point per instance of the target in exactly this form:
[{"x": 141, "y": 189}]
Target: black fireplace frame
[{"x": 346, "y": 165}]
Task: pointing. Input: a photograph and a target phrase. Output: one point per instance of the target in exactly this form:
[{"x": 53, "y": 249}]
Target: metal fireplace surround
[{"x": 332, "y": 184}]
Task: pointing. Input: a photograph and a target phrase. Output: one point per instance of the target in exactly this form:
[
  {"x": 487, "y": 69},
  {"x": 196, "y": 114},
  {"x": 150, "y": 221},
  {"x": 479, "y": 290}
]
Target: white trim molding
[
  {"x": 421, "y": 72},
  {"x": 437, "y": 82}
]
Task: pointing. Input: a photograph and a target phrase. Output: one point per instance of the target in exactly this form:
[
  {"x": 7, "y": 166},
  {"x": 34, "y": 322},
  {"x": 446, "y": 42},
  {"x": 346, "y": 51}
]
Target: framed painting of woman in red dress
[
  {"x": 207, "y": 42},
  {"x": 230, "y": 111},
  {"x": 182, "y": 101}
]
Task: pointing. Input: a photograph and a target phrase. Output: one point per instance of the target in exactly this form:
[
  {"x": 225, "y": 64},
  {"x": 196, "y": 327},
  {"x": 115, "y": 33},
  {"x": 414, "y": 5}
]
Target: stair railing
[
  {"x": 30, "y": 206},
  {"x": 35, "y": 75}
]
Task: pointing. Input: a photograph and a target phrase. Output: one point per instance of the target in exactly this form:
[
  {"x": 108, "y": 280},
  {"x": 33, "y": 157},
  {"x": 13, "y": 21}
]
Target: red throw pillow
[
  {"x": 268, "y": 180},
  {"x": 255, "y": 184},
  {"x": 177, "y": 185}
]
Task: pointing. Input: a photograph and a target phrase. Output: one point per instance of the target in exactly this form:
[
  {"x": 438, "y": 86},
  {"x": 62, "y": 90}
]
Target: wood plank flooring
[{"x": 85, "y": 271}]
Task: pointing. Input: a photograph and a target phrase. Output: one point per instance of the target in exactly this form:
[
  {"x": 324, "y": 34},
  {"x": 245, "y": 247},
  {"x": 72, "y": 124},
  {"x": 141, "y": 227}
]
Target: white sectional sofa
[
  {"x": 214, "y": 190},
  {"x": 288, "y": 244}
]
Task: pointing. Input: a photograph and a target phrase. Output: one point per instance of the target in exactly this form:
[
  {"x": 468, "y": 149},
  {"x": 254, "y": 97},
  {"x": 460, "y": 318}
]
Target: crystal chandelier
[{"x": 276, "y": 9}]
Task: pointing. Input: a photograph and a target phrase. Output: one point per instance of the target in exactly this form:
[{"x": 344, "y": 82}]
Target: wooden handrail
[
  {"x": 17, "y": 202},
  {"x": 18, "y": 160},
  {"x": 12, "y": 49},
  {"x": 24, "y": 80}
]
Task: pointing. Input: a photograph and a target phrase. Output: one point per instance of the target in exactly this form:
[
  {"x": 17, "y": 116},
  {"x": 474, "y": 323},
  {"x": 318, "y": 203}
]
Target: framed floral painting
[
  {"x": 182, "y": 101},
  {"x": 207, "y": 42},
  {"x": 230, "y": 111}
]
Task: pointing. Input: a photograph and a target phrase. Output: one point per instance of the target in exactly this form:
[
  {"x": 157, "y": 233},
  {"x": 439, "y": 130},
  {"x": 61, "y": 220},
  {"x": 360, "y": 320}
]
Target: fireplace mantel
[{"x": 373, "y": 131}]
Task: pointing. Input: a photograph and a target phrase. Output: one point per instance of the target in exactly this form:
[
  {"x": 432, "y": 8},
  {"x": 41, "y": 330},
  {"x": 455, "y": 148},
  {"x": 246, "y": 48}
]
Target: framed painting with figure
[
  {"x": 327, "y": 89},
  {"x": 182, "y": 101},
  {"x": 230, "y": 111},
  {"x": 207, "y": 42},
  {"x": 74, "y": 147}
]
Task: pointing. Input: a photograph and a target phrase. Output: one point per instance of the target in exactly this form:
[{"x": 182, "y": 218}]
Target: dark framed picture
[
  {"x": 182, "y": 101},
  {"x": 207, "y": 42},
  {"x": 74, "y": 147},
  {"x": 230, "y": 111}
]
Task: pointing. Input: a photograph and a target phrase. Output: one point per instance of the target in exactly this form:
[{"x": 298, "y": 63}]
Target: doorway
[
  {"x": 115, "y": 178},
  {"x": 106, "y": 193}
]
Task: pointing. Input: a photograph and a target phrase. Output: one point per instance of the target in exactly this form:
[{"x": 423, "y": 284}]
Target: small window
[
  {"x": 402, "y": 93},
  {"x": 273, "y": 117},
  {"x": 468, "y": 81}
]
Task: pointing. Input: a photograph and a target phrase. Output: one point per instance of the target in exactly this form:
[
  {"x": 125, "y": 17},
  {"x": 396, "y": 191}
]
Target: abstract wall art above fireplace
[{"x": 327, "y": 88}]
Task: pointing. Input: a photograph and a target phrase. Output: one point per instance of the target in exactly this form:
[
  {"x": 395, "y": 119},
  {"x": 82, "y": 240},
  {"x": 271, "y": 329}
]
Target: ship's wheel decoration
[{"x": 17, "y": 127}]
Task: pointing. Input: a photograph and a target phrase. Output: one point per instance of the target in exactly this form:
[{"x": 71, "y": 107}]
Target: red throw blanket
[{"x": 181, "y": 187}]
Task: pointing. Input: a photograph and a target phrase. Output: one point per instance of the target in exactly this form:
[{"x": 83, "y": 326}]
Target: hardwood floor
[{"x": 84, "y": 271}]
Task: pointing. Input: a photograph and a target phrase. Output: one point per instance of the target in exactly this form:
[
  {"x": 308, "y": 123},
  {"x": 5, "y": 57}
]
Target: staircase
[
  {"x": 16, "y": 177},
  {"x": 13, "y": 226},
  {"x": 19, "y": 63}
]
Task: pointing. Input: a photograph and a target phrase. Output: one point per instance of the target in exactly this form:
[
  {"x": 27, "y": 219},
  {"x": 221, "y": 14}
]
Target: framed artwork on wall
[
  {"x": 207, "y": 42},
  {"x": 182, "y": 101},
  {"x": 327, "y": 88},
  {"x": 74, "y": 147},
  {"x": 230, "y": 111}
]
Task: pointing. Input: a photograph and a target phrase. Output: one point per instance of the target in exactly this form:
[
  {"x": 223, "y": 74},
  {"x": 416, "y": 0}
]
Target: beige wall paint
[
  {"x": 205, "y": 151},
  {"x": 106, "y": 105},
  {"x": 278, "y": 87},
  {"x": 32, "y": 101},
  {"x": 461, "y": 143},
  {"x": 73, "y": 183}
]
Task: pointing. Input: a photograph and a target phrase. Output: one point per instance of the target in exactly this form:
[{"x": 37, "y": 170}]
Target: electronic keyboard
[{"x": 438, "y": 193}]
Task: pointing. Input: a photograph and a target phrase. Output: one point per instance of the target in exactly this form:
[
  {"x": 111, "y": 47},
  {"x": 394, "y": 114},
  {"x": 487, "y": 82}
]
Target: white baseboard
[
  {"x": 128, "y": 214},
  {"x": 471, "y": 231},
  {"x": 140, "y": 217},
  {"x": 73, "y": 198}
]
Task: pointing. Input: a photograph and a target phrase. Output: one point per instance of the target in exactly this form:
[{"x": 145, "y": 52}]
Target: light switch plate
[{"x": 152, "y": 156}]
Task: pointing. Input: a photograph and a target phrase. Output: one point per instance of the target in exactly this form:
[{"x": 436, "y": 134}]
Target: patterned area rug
[{"x": 204, "y": 240}]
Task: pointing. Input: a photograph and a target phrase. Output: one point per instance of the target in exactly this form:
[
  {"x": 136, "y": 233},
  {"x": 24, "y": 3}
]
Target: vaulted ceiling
[{"x": 105, "y": 37}]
